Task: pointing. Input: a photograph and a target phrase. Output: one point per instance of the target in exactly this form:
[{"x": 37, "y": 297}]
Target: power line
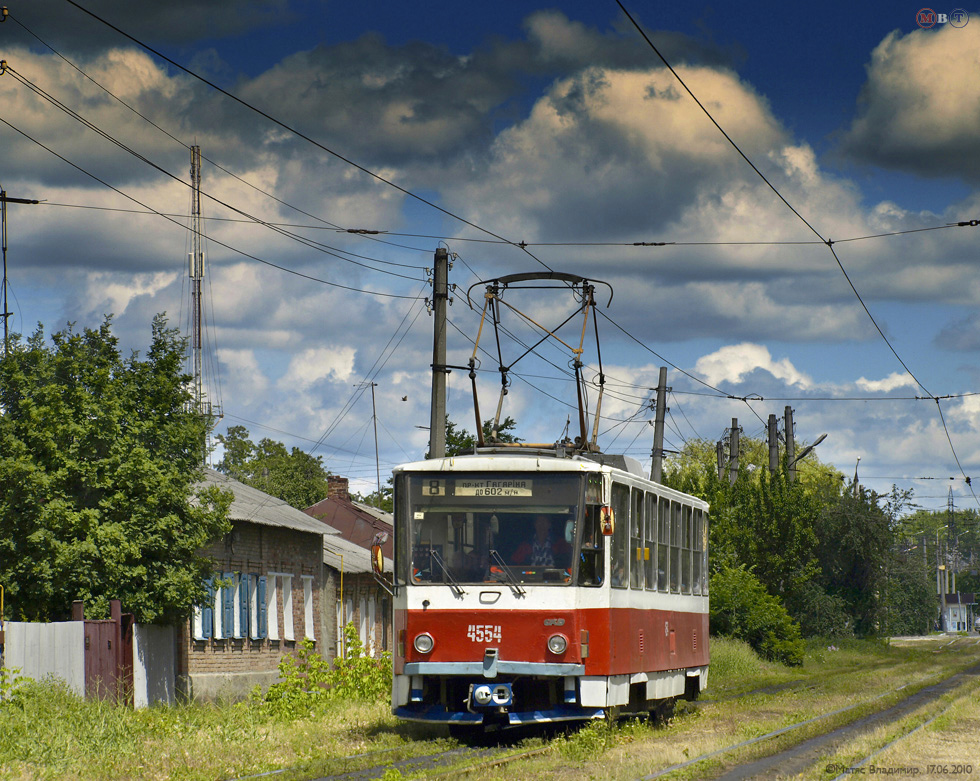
[{"x": 184, "y": 227}]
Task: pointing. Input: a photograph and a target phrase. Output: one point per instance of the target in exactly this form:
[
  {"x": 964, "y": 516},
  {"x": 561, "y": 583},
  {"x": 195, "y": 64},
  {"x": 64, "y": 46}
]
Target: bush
[
  {"x": 308, "y": 680},
  {"x": 741, "y": 608}
]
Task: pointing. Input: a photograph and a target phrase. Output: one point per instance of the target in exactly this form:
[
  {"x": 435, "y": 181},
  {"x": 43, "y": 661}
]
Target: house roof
[
  {"x": 356, "y": 560},
  {"x": 255, "y": 506},
  {"x": 357, "y": 523},
  {"x": 960, "y": 598}
]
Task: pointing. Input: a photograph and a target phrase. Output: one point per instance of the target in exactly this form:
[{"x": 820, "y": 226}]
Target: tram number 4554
[{"x": 483, "y": 633}]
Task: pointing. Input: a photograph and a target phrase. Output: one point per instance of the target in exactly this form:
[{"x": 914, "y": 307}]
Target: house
[
  {"x": 270, "y": 592},
  {"x": 955, "y": 613},
  {"x": 364, "y": 601}
]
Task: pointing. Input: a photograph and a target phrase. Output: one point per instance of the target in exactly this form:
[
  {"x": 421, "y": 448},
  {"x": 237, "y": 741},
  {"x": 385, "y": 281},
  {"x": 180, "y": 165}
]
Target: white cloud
[
  {"x": 732, "y": 363},
  {"x": 313, "y": 365},
  {"x": 892, "y": 382},
  {"x": 919, "y": 108}
]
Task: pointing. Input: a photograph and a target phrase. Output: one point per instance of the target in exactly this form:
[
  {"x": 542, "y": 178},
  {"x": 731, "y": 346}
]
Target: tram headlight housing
[
  {"x": 423, "y": 643},
  {"x": 557, "y": 644}
]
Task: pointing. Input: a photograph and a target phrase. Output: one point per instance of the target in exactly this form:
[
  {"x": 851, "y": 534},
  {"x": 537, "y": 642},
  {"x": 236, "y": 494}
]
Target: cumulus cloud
[
  {"x": 734, "y": 362},
  {"x": 919, "y": 110}
]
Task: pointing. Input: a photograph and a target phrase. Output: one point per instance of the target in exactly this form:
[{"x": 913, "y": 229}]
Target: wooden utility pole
[
  {"x": 440, "y": 297},
  {"x": 657, "y": 464},
  {"x": 4, "y": 200}
]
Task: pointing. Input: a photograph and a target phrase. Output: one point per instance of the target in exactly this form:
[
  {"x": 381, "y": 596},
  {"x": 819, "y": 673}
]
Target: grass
[{"x": 47, "y": 733}]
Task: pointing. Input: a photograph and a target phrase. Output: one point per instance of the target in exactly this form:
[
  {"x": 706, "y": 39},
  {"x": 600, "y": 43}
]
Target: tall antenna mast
[{"x": 196, "y": 269}]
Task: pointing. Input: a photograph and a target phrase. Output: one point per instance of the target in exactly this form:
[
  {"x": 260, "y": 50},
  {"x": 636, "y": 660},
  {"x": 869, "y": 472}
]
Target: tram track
[{"x": 806, "y": 758}]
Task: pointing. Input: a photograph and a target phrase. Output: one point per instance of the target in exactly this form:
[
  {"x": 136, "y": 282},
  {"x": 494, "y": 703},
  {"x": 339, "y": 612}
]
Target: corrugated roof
[
  {"x": 255, "y": 506},
  {"x": 354, "y": 522},
  {"x": 357, "y": 560}
]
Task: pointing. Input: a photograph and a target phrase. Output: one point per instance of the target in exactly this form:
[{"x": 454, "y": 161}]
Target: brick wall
[
  {"x": 360, "y": 591},
  {"x": 287, "y": 560}
]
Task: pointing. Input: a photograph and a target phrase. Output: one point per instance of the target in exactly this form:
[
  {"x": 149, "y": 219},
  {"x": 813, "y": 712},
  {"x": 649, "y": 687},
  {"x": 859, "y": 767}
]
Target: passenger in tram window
[{"x": 544, "y": 549}]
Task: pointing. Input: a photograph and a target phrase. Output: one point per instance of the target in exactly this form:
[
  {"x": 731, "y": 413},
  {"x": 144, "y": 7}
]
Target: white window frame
[
  {"x": 288, "y": 632},
  {"x": 272, "y": 605},
  {"x": 308, "y": 621}
]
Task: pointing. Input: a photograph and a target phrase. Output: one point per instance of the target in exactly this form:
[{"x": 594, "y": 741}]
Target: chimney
[{"x": 337, "y": 487}]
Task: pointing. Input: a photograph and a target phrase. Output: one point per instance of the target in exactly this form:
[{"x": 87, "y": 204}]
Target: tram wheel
[{"x": 662, "y": 711}]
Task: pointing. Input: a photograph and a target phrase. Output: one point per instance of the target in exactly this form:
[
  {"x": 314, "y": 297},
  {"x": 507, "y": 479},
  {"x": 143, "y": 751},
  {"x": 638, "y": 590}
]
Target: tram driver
[{"x": 544, "y": 549}]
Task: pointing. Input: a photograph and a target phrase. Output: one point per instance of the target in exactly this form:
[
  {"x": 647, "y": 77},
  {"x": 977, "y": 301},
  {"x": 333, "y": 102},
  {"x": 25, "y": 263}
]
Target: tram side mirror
[
  {"x": 377, "y": 560},
  {"x": 607, "y": 520}
]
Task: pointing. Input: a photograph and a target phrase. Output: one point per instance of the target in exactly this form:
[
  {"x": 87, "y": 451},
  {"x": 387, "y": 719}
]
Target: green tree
[
  {"x": 294, "y": 476},
  {"x": 459, "y": 441},
  {"x": 742, "y": 608},
  {"x": 99, "y": 459}
]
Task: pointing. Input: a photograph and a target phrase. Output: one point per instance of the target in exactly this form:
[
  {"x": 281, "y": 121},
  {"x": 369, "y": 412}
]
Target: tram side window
[
  {"x": 705, "y": 578},
  {"x": 698, "y": 546},
  {"x": 676, "y": 546},
  {"x": 639, "y": 553},
  {"x": 686, "y": 550},
  {"x": 663, "y": 548},
  {"x": 650, "y": 534},
  {"x": 620, "y": 538},
  {"x": 590, "y": 566}
]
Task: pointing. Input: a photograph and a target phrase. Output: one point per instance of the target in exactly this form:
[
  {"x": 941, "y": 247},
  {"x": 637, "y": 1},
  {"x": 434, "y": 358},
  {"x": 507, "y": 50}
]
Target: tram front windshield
[{"x": 480, "y": 528}]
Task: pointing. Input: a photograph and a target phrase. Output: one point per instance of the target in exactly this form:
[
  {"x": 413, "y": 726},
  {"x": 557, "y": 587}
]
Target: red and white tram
[{"x": 531, "y": 587}]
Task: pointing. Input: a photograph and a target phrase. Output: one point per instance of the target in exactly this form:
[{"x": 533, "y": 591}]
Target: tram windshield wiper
[
  {"x": 450, "y": 578},
  {"x": 516, "y": 587}
]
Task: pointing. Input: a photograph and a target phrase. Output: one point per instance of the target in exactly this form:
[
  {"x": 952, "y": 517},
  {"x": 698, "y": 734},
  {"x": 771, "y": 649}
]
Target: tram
[
  {"x": 540, "y": 588},
  {"x": 544, "y": 583}
]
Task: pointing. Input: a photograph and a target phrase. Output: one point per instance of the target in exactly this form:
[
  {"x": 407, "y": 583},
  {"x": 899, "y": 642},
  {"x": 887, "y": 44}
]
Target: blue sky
[{"x": 553, "y": 125}]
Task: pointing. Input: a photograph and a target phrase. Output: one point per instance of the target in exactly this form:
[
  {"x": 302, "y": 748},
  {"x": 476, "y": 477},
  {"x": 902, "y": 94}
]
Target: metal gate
[{"x": 108, "y": 654}]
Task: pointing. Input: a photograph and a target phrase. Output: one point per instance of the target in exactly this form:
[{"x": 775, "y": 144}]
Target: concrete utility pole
[
  {"x": 773, "y": 445},
  {"x": 4, "y": 200},
  {"x": 657, "y": 464},
  {"x": 733, "y": 452},
  {"x": 790, "y": 444},
  {"x": 377, "y": 459},
  {"x": 440, "y": 296}
]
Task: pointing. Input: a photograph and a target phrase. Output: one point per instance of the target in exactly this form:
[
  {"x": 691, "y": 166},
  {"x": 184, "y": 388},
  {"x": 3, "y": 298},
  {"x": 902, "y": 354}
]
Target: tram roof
[{"x": 536, "y": 462}]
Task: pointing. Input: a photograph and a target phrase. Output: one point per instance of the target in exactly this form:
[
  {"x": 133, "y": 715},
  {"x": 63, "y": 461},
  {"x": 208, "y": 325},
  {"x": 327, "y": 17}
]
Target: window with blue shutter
[
  {"x": 228, "y": 605},
  {"x": 207, "y": 611},
  {"x": 243, "y": 605},
  {"x": 262, "y": 630}
]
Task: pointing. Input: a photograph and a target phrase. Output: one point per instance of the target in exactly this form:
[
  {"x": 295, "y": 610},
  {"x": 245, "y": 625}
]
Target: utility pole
[
  {"x": 657, "y": 464},
  {"x": 773, "y": 445},
  {"x": 196, "y": 272},
  {"x": 733, "y": 445},
  {"x": 440, "y": 296},
  {"x": 377, "y": 460},
  {"x": 4, "y": 199},
  {"x": 790, "y": 444},
  {"x": 720, "y": 454}
]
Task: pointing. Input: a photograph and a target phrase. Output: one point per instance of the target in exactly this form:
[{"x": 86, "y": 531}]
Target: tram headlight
[
  {"x": 557, "y": 644},
  {"x": 423, "y": 643}
]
